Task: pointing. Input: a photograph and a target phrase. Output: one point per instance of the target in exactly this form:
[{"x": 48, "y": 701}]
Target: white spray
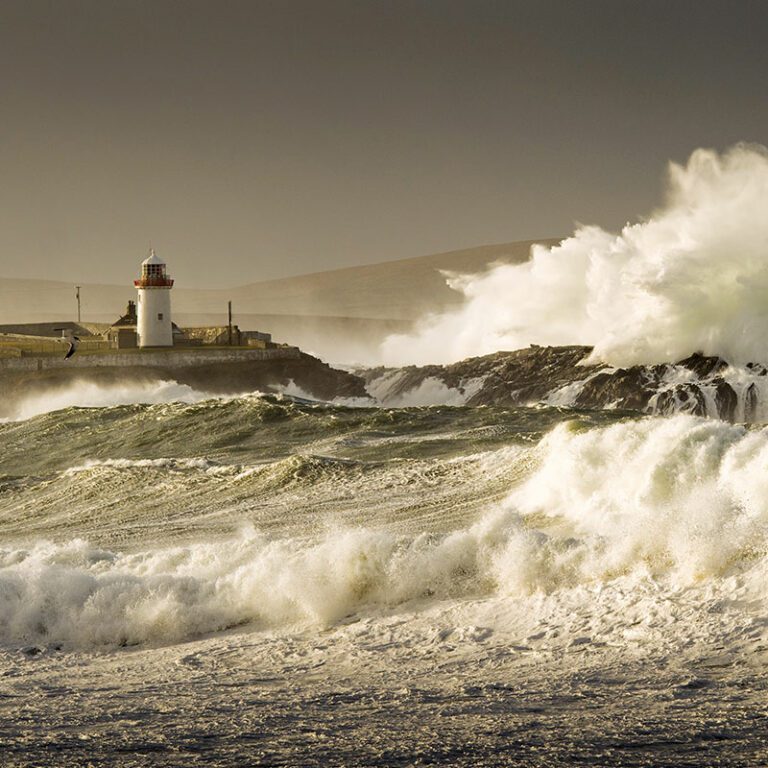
[
  {"x": 88, "y": 394},
  {"x": 692, "y": 277},
  {"x": 683, "y": 501}
]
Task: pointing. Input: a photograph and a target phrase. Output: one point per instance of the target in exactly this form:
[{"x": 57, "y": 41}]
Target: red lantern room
[{"x": 153, "y": 273}]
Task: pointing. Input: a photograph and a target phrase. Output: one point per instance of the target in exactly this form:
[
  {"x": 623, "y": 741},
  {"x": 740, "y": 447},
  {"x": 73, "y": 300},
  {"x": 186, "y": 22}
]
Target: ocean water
[{"x": 263, "y": 580}]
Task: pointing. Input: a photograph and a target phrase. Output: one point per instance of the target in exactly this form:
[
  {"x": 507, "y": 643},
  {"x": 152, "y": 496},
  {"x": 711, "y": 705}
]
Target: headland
[{"x": 145, "y": 345}]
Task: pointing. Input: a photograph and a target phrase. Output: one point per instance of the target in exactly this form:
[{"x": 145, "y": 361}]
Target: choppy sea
[{"x": 265, "y": 580}]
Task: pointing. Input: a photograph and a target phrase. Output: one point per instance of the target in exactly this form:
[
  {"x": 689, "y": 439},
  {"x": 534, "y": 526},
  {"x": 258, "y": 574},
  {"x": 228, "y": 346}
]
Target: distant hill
[
  {"x": 360, "y": 305},
  {"x": 395, "y": 290}
]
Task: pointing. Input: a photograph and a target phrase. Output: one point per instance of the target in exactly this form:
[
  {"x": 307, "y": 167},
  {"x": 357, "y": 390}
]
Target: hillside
[{"x": 398, "y": 290}]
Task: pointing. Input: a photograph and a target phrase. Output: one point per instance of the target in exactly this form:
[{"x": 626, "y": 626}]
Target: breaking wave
[
  {"x": 692, "y": 277},
  {"x": 681, "y": 496},
  {"x": 88, "y": 394},
  {"x": 681, "y": 501}
]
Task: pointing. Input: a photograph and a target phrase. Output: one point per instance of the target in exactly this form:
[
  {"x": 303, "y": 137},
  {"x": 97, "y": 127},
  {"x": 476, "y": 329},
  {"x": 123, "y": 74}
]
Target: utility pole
[
  {"x": 229, "y": 317},
  {"x": 77, "y": 294}
]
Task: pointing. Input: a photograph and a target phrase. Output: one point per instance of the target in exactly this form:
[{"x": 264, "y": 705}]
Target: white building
[{"x": 153, "y": 326}]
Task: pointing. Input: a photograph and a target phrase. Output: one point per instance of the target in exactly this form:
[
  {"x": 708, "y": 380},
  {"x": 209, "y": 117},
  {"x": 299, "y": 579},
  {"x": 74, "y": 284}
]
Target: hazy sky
[{"x": 251, "y": 140}]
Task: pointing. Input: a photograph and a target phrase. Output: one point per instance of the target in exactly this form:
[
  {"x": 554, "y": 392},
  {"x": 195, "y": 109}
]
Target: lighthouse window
[{"x": 159, "y": 315}]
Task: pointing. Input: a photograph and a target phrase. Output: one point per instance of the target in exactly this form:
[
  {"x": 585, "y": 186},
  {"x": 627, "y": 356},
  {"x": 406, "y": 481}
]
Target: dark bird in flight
[
  {"x": 71, "y": 339},
  {"x": 73, "y": 342}
]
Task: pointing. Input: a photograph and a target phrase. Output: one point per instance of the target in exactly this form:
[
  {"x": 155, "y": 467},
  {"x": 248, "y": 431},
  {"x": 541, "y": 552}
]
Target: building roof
[
  {"x": 128, "y": 320},
  {"x": 50, "y": 330}
]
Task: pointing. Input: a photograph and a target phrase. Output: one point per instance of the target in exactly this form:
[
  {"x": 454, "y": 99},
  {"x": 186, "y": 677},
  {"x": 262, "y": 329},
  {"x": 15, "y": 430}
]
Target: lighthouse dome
[
  {"x": 153, "y": 273},
  {"x": 153, "y": 258}
]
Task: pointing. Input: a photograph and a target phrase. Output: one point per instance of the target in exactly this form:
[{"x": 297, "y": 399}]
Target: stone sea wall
[
  {"x": 160, "y": 358},
  {"x": 221, "y": 371}
]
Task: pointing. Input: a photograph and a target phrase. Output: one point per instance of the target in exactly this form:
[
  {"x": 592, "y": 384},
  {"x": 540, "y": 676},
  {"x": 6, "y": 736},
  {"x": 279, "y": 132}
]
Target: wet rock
[
  {"x": 623, "y": 388},
  {"x": 521, "y": 377},
  {"x": 702, "y": 365},
  {"x": 726, "y": 399},
  {"x": 750, "y": 403},
  {"x": 508, "y": 378},
  {"x": 683, "y": 398},
  {"x": 533, "y": 375}
]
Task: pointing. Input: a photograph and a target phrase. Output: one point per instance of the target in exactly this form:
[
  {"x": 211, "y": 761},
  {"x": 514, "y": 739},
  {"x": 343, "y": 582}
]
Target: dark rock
[
  {"x": 623, "y": 388},
  {"x": 702, "y": 365},
  {"x": 750, "y": 403},
  {"x": 683, "y": 398},
  {"x": 309, "y": 373},
  {"x": 510, "y": 378},
  {"x": 532, "y": 375},
  {"x": 521, "y": 377},
  {"x": 726, "y": 399}
]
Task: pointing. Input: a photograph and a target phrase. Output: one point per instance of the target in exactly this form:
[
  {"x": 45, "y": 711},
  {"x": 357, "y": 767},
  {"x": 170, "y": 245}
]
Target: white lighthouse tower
[{"x": 153, "y": 326}]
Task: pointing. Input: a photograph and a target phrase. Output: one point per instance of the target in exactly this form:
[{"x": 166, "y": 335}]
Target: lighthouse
[{"x": 153, "y": 326}]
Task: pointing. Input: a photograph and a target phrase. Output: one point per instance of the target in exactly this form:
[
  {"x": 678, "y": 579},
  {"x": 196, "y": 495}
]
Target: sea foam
[{"x": 681, "y": 501}]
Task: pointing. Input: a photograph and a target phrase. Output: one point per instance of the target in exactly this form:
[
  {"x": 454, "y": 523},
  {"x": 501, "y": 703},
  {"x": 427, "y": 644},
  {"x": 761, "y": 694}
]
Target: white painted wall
[{"x": 154, "y": 318}]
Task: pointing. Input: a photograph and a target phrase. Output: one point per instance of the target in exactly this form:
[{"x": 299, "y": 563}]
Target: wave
[
  {"x": 256, "y": 429},
  {"x": 147, "y": 502},
  {"x": 202, "y": 464},
  {"x": 298, "y": 470},
  {"x": 82, "y": 596},
  {"x": 397, "y": 389},
  {"x": 681, "y": 496},
  {"x": 681, "y": 501},
  {"x": 87, "y": 394}
]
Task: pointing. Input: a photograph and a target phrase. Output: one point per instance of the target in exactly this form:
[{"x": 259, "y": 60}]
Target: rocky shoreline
[
  {"x": 699, "y": 385},
  {"x": 555, "y": 376}
]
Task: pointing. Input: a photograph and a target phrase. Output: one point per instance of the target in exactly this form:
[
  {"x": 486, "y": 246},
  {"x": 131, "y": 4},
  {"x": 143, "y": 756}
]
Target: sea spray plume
[{"x": 692, "y": 277}]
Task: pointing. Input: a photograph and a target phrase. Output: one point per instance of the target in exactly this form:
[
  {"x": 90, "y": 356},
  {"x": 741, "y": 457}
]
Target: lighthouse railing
[{"x": 153, "y": 282}]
